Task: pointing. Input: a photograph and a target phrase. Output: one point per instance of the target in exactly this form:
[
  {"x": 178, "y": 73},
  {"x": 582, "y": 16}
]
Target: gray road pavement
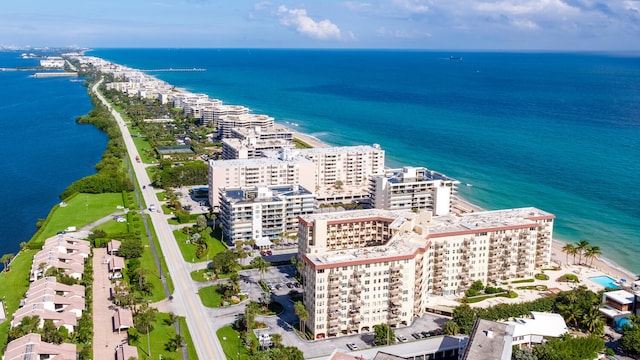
[{"x": 185, "y": 299}]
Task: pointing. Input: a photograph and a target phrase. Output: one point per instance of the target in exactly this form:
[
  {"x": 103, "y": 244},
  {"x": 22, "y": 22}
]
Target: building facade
[
  {"x": 263, "y": 212},
  {"x": 367, "y": 267},
  {"x": 411, "y": 188},
  {"x": 258, "y": 172}
]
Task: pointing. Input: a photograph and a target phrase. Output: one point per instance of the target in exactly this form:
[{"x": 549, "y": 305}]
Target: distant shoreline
[{"x": 464, "y": 205}]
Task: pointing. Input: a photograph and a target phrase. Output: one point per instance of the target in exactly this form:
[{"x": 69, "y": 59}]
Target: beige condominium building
[
  {"x": 227, "y": 123},
  {"x": 251, "y": 148},
  {"x": 210, "y": 115},
  {"x": 413, "y": 188},
  {"x": 258, "y": 172},
  {"x": 368, "y": 267},
  {"x": 263, "y": 213}
]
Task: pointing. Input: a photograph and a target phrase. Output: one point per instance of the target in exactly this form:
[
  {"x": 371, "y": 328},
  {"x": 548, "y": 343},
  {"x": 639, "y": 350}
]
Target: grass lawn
[
  {"x": 191, "y": 350},
  {"x": 201, "y": 275},
  {"x": 14, "y": 285},
  {"x": 113, "y": 227},
  {"x": 232, "y": 344},
  {"x": 210, "y": 297},
  {"x": 80, "y": 210},
  {"x": 147, "y": 261},
  {"x": 188, "y": 251},
  {"x": 158, "y": 339},
  {"x": 143, "y": 148}
]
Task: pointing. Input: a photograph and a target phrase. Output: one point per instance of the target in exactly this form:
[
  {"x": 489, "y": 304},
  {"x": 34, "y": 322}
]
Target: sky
[{"x": 556, "y": 25}]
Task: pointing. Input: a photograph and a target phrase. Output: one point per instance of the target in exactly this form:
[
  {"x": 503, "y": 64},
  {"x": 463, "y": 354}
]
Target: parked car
[
  {"x": 114, "y": 276},
  {"x": 401, "y": 338},
  {"x": 416, "y": 336},
  {"x": 269, "y": 252},
  {"x": 352, "y": 346},
  {"x": 426, "y": 334}
]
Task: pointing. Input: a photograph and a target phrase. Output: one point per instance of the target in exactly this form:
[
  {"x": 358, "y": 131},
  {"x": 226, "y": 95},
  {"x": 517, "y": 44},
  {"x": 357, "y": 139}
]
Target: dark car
[
  {"x": 416, "y": 336},
  {"x": 269, "y": 252}
]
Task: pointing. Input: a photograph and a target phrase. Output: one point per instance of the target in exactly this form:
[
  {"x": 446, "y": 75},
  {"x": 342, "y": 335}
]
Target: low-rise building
[
  {"x": 31, "y": 346},
  {"x": 537, "y": 329},
  {"x": 489, "y": 340}
]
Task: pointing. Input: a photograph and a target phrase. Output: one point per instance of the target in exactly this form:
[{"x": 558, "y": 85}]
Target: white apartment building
[
  {"x": 228, "y": 122},
  {"x": 272, "y": 133},
  {"x": 367, "y": 267},
  {"x": 352, "y": 165},
  {"x": 263, "y": 212},
  {"x": 258, "y": 172},
  {"x": 413, "y": 188},
  {"x": 251, "y": 148},
  {"x": 212, "y": 114}
]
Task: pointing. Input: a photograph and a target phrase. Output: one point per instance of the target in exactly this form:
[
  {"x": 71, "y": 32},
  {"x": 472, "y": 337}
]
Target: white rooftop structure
[{"x": 541, "y": 325}]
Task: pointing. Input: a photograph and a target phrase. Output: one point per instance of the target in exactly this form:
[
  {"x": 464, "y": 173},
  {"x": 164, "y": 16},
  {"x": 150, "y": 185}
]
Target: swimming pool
[{"x": 606, "y": 281}]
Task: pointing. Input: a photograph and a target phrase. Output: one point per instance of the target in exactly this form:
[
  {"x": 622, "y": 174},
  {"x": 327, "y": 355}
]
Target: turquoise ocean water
[{"x": 557, "y": 131}]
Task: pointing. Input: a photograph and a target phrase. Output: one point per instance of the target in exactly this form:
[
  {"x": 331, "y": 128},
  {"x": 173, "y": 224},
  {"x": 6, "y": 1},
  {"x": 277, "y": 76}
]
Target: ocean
[
  {"x": 42, "y": 149},
  {"x": 558, "y": 131}
]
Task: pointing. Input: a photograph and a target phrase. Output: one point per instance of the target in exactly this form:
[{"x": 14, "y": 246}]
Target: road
[{"x": 186, "y": 301}]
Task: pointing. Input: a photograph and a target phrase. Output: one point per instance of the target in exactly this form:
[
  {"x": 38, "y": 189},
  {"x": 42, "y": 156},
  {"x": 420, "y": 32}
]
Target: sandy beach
[
  {"x": 600, "y": 264},
  {"x": 558, "y": 257},
  {"x": 311, "y": 140}
]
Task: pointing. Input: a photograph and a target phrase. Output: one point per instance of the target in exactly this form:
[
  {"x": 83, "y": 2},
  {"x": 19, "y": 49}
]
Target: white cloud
[
  {"x": 522, "y": 6},
  {"x": 261, "y": 5},
  {"x": 413, "y": 6},
  {"x": 304, "y": 24},
  {"x": 357, "y": 5},
  {"x": 524, "y": 24}
]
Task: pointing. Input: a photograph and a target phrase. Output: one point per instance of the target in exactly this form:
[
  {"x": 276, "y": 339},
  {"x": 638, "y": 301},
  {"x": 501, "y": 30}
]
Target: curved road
[{"x": 185, "y": 298}]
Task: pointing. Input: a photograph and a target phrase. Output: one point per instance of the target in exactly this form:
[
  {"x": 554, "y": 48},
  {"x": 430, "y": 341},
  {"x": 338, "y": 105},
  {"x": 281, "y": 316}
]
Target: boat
[{"x": 455, "y": 58}]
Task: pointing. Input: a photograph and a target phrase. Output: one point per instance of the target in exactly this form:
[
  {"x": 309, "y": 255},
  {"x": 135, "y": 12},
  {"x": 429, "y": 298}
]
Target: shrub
[{"x": 542, "y": 276}]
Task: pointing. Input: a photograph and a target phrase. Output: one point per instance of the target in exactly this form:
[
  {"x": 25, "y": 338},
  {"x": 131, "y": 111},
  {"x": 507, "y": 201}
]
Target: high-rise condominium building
[{"x": 368, "y": 267}]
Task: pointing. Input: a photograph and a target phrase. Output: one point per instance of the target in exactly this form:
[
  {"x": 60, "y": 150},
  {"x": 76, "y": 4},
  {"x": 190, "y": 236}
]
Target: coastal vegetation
[
  {"x": 110, "y": 176},
  {"x": 578, "y": 307},
  {"x": 582, "y": 249}
]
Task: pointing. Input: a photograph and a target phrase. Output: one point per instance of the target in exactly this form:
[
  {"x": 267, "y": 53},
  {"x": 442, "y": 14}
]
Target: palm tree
[
  {"x": 262, "y": 265},
  {"x": 234, "y": 282},
  {"x": 581, "y": 247},
  {"x": 6, "y": 260},
  {"x": 593, "y": 252},
  {"x": 569, "y": 249},
  {"x": 302, "y": 313},
  {"x": 592, "y": 320}
]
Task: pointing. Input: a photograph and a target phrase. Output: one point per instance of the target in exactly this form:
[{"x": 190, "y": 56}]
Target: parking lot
[{"x": 277, "y": 278}]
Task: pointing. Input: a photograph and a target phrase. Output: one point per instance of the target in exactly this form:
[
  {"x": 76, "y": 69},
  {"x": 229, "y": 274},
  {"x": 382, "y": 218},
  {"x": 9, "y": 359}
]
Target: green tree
[
  {"x": 465, "y": 317},
  {"x": 224, "y": 262},
  {"x": 593, "y": 321},
  {"x": 201, "y": 223},
  {"x": 277, "y": 340},
  {"x": 234, "y": 283},
  {"x": 174, "y": 343},
  {"x": 301, "y": 311},
  {"x": 6, "y": 259},
  {"x": 630, "y": 340},
  {"x": 581, "y": 248},
  {"x": 144, "y": 317},
  {"x": 570, "y": 249},
  {"x": 131, "y": 248},
  {"x": 262, "y": 265},
  {"x": 50, "y": 333},
  {"x": 523, "y": 354},
  {"x": 383, "y": 334},
  {"x": 592, "y": 253},
  {"x": 451, "y": 328},
  {"x": 570, "y": 348}
]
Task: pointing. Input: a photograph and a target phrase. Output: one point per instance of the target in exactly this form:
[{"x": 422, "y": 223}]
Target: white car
[
  {"x": 114, "y": 276},
  {"x": 352, "y": 346},
  {"x": 402, "y": 339}
]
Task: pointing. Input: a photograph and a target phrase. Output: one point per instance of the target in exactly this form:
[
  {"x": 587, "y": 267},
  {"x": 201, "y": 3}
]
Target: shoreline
[{"x": 557, "y": 256}]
